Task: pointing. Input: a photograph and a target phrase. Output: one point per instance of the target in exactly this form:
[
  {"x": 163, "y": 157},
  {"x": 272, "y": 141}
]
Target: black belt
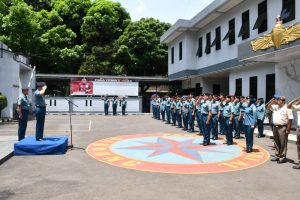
[{"x": 280, "y": 126}]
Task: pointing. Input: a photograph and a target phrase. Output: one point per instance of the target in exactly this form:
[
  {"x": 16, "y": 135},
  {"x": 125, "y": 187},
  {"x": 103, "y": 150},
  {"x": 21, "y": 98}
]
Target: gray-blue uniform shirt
[
  {"x": 215, "y": 107},
  {"x": 178, "y": 105},
  {"x": 23, "y": 101},
  {"x": 227, "y": 110},
  {"x": 39, "y": 99},
  {"x": 236, "y": 109},
  {"x": 206, "y": 107},
  {"x": 192, "y": 104},
  {"x": 260, "y": 111},
  {"x": 168, "y": 102},
  {"x": 185, "y": 106}
]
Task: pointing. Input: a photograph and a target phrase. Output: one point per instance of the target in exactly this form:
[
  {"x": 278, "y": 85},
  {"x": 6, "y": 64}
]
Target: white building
[
  {"x": 14, "y": 74},
  {"x": 212, "y": 51}
]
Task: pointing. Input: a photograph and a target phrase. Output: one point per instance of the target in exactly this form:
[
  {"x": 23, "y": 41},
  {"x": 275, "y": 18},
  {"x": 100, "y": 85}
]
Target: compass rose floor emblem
[{"x": 175, "y": 153}]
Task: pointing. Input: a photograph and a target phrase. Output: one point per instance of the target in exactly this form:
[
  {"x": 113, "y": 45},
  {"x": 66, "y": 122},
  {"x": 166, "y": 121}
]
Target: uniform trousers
[
  {"x": 214, "y": 125},
  {"x": 298, "y": 144},
  {"x": 185, "y": 120},
  {"x": 173, "y": 116},
  {"x": 228, "y": 130},
  {"x": 23, "y": 124},
  {"x": 280, "y": 140},
  {"x": 260, "y": 126},
  {"x": 191, "y": 120},
  {"x": 40, "y": 122},
  {"x": 106, "y": 109},
  {"x": 168, "y": 114},
  {"x": 162, "y": 112},
  {"x": 178, "y": 118},
  {"x": 199, "y": 121},
  {"x": 249, "y": 136},
  {"x": 123, "y": 110},
  {"x": 206, "y": 129}
]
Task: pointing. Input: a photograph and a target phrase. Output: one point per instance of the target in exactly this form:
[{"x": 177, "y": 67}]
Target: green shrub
[{"x": 3, "y": 102}]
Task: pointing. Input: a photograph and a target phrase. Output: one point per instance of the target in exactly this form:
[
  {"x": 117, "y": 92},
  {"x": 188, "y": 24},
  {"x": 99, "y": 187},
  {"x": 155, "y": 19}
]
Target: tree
[
  {"x": 104, "y": 23},
  {"x": 139, "y": 49},
  {"x": 38, "y": 5},
  {"x": 20, "y": 30},
  {"x": 72, "y": 13}
]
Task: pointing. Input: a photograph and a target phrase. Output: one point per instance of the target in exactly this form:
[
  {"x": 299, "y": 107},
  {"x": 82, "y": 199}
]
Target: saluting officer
[
  {"x": 178, "y": 112},
  {"x": 185, "y": 112},
  {"x": 221, "y": 119},
  {"x": 173, "y": 111},
  {"x": 282, "y": 119},
  {"x": 40, "y": 109},
  {"x": 215, "y": 116},
  {"x": 123, "y": 104},
  {"x": 114, "y": 105},
  {"x": 191, "y": 113},
  {"x": 162, "y": 108},
  {"x": 236, "y": 117},
  {"x": 295, "y": 104},
  {"x": 206, "y": 116},
  {"x": 260, "y": 110},
  {"x": 199, "y": 104},
  {"x": 249, "y": 122},
  {"x": 106, "y": 105},
  {"x": 228, "y": 120},
  {"x": 168, "y": 109},
  {"x": 23, "y": 110}
]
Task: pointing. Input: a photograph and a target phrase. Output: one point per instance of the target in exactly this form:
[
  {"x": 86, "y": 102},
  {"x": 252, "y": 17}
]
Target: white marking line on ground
[{"x": 90, "y": 126}]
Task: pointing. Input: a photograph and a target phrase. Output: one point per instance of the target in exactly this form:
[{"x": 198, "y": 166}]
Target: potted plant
[{"x": 3, "y": 102}]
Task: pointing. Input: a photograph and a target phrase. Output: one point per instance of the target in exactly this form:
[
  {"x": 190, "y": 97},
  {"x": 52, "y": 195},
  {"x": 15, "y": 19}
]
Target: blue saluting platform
[{"x": 54, "y": 145}]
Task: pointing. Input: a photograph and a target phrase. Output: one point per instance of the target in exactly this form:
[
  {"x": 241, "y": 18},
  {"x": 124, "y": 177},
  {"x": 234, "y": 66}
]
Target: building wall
[
  {"x": 227, "y": 52},
  {"x": 12, "y": 79},
  {"x": 288, "y": 79},
  {"x": 260, "y": 70}
]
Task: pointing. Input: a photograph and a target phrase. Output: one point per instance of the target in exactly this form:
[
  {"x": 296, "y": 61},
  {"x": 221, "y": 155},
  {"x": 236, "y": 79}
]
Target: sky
[{"x": 164, "y": 10}]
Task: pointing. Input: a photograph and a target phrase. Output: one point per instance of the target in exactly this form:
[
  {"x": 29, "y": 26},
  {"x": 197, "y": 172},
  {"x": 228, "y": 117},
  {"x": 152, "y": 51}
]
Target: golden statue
[{"x": 279, "y": 36}]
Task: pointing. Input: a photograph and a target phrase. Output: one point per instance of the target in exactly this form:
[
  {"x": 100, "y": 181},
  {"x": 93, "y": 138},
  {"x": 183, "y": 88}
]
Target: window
[
  {"x": 270, "y": 86},
  {"x": 253, "y": 86},
  {"x": 288, "y": 10},
  {"x": 245, "y": 29},
  {"x": 231, "y": 32},
  {"x": 199, "y": 51},
  {"x": 180, "y": 51},
  {"x": 262, "y": 20},
  {"x": 217, "y": 40},
  {"x": 208, "y": 45},
  {"x": 216, "y": 89},
  {"x": 238, "y": 87},
  {"x": 172, "y": 55}
]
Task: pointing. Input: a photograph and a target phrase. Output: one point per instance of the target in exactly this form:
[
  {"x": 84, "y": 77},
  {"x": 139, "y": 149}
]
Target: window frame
[{"x": 180, "y": 50}]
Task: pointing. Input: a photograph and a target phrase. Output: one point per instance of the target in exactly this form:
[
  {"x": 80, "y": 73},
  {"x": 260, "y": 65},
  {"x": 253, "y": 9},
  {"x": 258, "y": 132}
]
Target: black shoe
[
  {"x": 229, "y": 143},
  {"x": 263, "y": 136},
  {"x": 281, "y": 161},
  {"x": 296, "y": 167},
  {"x": 249, "y": 150},
  {"x": 275, "y": 159},
  {"x": 205, "y": 144},
  {"x": 215, "y": 138}
]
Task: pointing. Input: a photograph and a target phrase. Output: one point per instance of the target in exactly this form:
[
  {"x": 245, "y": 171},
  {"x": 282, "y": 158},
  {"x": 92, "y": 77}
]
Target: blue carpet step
[{"x": 54, "y": 145}]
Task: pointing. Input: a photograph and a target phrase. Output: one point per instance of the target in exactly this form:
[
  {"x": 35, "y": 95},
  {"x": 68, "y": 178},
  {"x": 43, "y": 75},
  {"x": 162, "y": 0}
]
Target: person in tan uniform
[
  {"x": 282, "y": 119},
  {"x": 295, "y": 104}
]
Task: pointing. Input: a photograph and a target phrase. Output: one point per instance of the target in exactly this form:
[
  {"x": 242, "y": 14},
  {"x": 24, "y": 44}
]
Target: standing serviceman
[
  {"x": 123, "y": 104},
  {"x": 191, "y": 113},
  {"x": 261, "y": 111},
  {"x": 178, "y": 112},
  {"x": 282, "y": 119},
  {"x": 168, "y": 109},
  {"x": 23, "y": 110},
  {"x": 162, "y": 108},
  {"x": 106, "y": 105},
  {"x": 173, "y": 110},
  {"x": 236, "y": 117},
  {"x": 114, "y": 105},
  {"x": 206, "y": 116},
  {"x": 221, "y": 119},
  {"x": 40, "y": 109},
  {"x": 185, "y": 112},
  {"x": 295, "y": 104},
  {"x": 249, "y": 122},
  {"x": 228, "y": 120},
  {"x": 215, "y": 116}
]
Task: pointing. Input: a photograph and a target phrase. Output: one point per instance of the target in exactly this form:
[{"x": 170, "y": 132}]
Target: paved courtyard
[{"x": 77, "y": 175}]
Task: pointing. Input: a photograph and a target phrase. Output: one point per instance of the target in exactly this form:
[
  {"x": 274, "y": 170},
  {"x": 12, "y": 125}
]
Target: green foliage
[
  {"x": 83, "y": 36},
  {"x": 19, "y": 30},
  {"x": 140, "y": 49},
  {"x": 3, "y": 102}
]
